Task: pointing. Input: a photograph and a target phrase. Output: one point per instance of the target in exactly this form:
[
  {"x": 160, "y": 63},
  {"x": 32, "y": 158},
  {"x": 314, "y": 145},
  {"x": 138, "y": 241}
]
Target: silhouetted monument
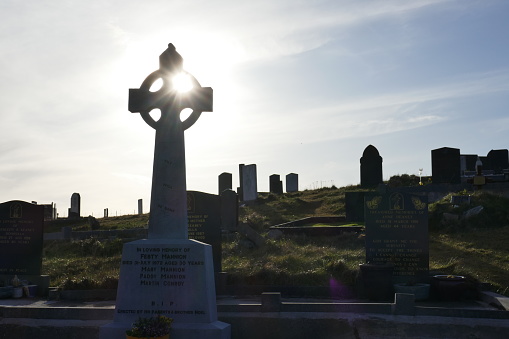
[
  {"x": 275, "y": 184},
  {"x": 168, "y": 274},
  {"x": 371, "y": 167},
  {"x": 225, "y": 182},
  {"x": 446, "y": 165},
  {"x": 75, "y": 210}
]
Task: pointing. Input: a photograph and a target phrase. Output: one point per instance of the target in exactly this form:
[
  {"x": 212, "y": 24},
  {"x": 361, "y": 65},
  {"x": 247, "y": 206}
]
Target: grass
[{"x": 476, "y": 248}]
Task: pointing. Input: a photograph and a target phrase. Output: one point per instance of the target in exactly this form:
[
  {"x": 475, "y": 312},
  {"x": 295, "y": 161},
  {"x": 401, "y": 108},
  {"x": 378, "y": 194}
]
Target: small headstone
[
  {"x": 371, "y": 167},
  {"x": 473, "y": 212},
  {"x": 460, "y": 199},
  {"x": 397, "y": 232},
  {"x": 21, "y": 229},
  {"x": 446, "y": 165},
  {"x": 225, "y": 182},
  {"x": 248, "y": 182},
  {"x": 93, "y": 223},
  {"x": 204, "y": 222},
  {"x": 140, "y": 206},
  {"x": 292, "y": 182},
  {"x": 275, "y": 234},
  {"x": 251, "y": 235},
  {"x": 229, "y": 210},
  {"x": 275, "y": 184},
  {"x": 354, "y": 206},
  {"x": 75, "y": 210}
]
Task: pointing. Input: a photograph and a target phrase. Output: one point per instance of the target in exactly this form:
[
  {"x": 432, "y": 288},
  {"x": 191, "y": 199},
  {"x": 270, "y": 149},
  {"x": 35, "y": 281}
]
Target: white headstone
[{"x": 168, "y": 274}]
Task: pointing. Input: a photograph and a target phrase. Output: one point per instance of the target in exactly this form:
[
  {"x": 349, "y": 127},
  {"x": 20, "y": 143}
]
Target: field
[{"x": 476, "y": 248}]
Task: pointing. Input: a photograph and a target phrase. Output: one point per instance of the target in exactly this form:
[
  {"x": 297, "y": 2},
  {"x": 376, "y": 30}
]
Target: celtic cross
[{"x": 168, "y": 201}]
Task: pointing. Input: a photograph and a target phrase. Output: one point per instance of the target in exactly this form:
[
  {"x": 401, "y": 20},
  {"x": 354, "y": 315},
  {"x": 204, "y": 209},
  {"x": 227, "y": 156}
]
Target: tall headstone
[
  {"x": 275, "y": 184},
  {"x": 21, "y": 229},
  {"x": 140, "y": 206},
  {"x": 397, "y": 233},
  {"x": 105, "y": 212},
  {"x": 248, "y": 182},
  {"x": 225, "y": 182},
  {"x": 75, "y": 210},
  {"x": 371, "y": 167},
  {"x": 292, "y": 182},
  {"x": 446, "y": 165},
  {"x": 229, "y": 210},
  {"x": 168, "y": 274},
  {"x": 204, "y": 222}
]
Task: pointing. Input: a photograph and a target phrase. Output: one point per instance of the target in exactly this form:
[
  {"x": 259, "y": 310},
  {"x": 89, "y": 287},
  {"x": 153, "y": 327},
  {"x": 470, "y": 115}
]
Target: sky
[{"x": 300, "y": 86}]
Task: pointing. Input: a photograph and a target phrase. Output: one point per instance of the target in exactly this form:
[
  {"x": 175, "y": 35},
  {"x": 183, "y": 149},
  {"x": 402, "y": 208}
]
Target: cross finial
[{"x": 170, "y": 61}]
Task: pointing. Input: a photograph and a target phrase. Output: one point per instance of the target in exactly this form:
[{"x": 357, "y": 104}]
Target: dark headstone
[
  {"x": 204, "y": 222},
  {"x": 371, "y": 167},
  {"x": 446, "y": 165},
  {"x": 468, "y": 163},
  {"x": 225, "y": 182},
  {"x": 229, "y": 210},
  {"x": 354, "y": 206},
  {"x": 498, "y": 160},
  {"x": 292, "y": 182},
  {"x": 93, "y": 223},
  {"x": 275, "y": 184},
  {"x": 397, "y": 232},
  {"x": 75, "y": 210},
  {"x": 21, "y": 228}
]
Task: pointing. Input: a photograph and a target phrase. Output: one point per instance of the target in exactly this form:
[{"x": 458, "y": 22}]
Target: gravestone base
[{"x": 174, "y": 278}]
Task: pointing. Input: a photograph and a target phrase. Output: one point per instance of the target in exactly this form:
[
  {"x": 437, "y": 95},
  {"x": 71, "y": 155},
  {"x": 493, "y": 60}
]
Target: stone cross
[{"x": 168, "y": 203}]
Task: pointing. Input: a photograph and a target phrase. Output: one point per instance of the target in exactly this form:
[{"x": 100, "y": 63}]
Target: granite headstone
[
  {"x": 397, "y": 233},
  {"x": 21, "y": 237}
]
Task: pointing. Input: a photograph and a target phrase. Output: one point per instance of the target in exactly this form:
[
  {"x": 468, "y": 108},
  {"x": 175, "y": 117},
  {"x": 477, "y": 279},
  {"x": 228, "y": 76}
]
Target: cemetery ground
[{"x": 474, "y": 247}]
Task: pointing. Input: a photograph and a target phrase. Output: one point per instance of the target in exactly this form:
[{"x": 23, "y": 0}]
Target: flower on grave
[{"x": 150, "y": 327}]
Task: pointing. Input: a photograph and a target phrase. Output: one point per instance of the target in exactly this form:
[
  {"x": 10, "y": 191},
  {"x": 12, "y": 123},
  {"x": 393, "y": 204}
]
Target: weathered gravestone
[
  {"x": 371, "y": 167},
  {"x": 204, "y": 215},
  {"x": 248, "y": 182},
  {"x": 75, "y": 210},
  {"x": 168, "y": 274},
  {"x": 292, "y": 182},
  {"x": 397, "y": 233},
  {"x": 275, "y": 184},
  {"x": 21, "y": 229},
  {"x": 225, "y": 182}
]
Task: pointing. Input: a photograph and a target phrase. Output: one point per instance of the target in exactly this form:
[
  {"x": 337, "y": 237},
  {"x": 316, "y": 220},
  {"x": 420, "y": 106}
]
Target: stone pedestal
[{"x": 168, "y": 277}]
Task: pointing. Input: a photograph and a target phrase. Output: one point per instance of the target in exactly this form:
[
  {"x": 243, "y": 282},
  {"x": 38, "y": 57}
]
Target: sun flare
[{"x": 182, "y": 82}]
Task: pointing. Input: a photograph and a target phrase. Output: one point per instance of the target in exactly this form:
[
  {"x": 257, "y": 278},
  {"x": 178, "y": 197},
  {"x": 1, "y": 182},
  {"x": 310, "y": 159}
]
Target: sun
[{"x": 182, "y": 82}]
